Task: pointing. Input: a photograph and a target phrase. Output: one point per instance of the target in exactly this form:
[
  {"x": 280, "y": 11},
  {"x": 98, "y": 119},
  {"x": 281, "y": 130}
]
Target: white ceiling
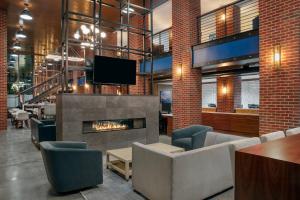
[
  {"x": 162, "y": 17},
  {"x": 209, "y": 5}
]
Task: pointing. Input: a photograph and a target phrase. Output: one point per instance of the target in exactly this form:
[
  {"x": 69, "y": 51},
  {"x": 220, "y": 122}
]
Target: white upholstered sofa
[{"x": 190, "y": 175}]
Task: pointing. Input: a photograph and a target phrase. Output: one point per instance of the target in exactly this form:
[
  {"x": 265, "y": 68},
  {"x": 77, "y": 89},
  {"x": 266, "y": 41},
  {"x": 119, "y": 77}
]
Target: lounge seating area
[{"x": 152, "y": 99}]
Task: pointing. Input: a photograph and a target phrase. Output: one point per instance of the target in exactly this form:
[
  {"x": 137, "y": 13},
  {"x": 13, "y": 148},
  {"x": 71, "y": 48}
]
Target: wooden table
[
  {"x": 121, "y": 159},
  {"x": 269, "y": 171}
]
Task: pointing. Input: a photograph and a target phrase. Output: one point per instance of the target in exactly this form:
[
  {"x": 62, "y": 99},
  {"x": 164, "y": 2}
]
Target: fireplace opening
[{"x": 113, "y": 125}]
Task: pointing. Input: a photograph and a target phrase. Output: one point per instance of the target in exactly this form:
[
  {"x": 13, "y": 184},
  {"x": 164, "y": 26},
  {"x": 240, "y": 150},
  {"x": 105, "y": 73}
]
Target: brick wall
[
  {"x": 279, "y": 89},
  {"x": 186, "y": 89},
  {"x": 227, "y": 102},
  {"x": 228, "y": 21},
  {"x": 3, "y": 70}
]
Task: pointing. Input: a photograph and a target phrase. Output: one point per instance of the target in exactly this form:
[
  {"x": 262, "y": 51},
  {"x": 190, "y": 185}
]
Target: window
[
  {"x": 209, "y": 93},
  {"x": 250, "y": 91}
]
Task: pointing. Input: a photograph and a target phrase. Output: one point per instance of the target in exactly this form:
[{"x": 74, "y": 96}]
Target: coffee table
[
  {"x": 121, "y": 162},
  {"x": 121, "y": 159}
]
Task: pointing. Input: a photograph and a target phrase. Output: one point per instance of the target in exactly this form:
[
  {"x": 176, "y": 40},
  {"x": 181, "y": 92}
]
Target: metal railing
[
  {"x": 162, "y": 42},
  {"x": 235, "y": 18},
  {"x": 41, "y": 90}
]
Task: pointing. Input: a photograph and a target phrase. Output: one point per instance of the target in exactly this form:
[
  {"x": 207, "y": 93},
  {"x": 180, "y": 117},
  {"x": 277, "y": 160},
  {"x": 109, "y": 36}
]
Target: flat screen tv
[{"x": 109, "y": 70}]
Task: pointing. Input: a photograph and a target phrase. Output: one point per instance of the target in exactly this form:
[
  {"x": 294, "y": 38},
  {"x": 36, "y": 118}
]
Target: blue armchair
[
  {"x": 189, "y": 138},
  {"x": 71, "y": 166},
  {"x": 42, "y": 130}
]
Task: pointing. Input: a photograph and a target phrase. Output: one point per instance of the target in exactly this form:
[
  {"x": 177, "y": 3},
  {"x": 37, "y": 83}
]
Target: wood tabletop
[
  {"x": 286, "y": 149},
  {"x": 124, "y": 154}
]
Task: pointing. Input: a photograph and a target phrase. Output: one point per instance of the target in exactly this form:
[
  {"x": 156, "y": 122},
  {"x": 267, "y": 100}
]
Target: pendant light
[
  {"x": 17, "y": 46},
  {"x": 20, "y": 34},
  {"x": 26, "y": 15}
]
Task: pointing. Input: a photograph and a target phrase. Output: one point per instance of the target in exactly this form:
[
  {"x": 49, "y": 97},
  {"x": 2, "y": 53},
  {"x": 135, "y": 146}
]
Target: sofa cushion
[
  {"x": 272, "y": 136},
  {"x": 293, "y": 131},
  {"x": 213, "y": 138},
  {"x": 185, "y": 143}
]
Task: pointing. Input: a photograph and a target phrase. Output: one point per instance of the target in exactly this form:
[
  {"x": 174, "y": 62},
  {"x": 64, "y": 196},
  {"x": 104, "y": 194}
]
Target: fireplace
[{"x": 100, "y": 126}]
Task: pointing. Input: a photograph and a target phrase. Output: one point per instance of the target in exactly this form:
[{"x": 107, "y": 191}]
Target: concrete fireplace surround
[{"x": 73, "y": 109}]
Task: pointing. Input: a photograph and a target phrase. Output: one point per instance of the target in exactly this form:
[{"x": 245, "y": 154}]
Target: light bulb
[{"x": 103, "y": 35}]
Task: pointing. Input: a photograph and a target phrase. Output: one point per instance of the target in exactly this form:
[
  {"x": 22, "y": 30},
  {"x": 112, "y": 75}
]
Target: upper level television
[{"x": 108, "y": 70}]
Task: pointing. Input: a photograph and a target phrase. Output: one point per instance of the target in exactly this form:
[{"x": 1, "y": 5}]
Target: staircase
[{"x": 42, "y": 91}]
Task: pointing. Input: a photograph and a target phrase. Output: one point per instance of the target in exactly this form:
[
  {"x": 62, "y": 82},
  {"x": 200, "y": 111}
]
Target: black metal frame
[{"x": 101, "y": 23}]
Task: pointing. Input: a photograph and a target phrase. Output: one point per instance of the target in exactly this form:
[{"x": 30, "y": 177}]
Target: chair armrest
[
  {"x": 198, "y": 139},
  {"x": 182, "y": 133},
  {"x": 48, "y": 122},
  {"x": 151, "y": 172},
  {"x": 70, "y": 145},
  {"x": 47, "y": 133},
  {"x": 189, "y": 131}
]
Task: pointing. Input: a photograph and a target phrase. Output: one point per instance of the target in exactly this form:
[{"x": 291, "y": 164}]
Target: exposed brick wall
[
  {"x": 232, "y": 99},
  {"x": 3, "y": 70},
  {"x": 187, "y": 90},
  {"x": 279, "y": 89},
  {"x": 230, "y": 24}
]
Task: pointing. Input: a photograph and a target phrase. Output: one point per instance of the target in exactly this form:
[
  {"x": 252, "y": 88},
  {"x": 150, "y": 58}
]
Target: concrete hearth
[{"x": 73, "y": 110}]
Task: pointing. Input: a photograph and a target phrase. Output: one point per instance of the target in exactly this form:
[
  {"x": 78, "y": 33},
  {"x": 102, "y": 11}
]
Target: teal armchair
[
  {"x": 70, "y": 166},
  {"x": 191, "y": 137},
  {"x": 42, "y": 130}
]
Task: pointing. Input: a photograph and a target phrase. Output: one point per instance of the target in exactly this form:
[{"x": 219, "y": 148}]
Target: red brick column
[
  {"x": 3, "y": 70},
  {"x": 186, "y": 88},
  {"x": 231, "y": 99},
  {"x": 279, "y": 88}
]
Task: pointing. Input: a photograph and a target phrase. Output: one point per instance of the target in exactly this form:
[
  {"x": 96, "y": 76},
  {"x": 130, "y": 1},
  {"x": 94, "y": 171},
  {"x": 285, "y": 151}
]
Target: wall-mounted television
[{"x": 108, "y": 70}]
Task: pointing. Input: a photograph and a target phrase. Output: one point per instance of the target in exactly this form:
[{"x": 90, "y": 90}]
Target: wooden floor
[{"x": 23, "y": 177}]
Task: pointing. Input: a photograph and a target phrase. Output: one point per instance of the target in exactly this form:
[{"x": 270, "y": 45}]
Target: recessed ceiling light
[{"x": 26, "y": 15}]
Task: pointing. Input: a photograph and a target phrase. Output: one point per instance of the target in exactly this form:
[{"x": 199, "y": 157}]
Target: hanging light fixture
[
  {"x": 14, "y": 55},
  {"x": 17, "y": 46},
  {"x": 25, "y": 14},
  {"x": 12, "y": 60},
  {"x": 77, "y": 35},
  {"x": 103, "y": 35},
  {"x": 20, "y": 34},
  {"x": 125, "y": 10}
]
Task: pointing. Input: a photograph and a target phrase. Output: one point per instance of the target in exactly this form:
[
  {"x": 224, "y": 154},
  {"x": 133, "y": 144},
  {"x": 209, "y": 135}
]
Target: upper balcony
[
  {"x": 228, "y": 36},
  {"x": 162, "y": 53},
  {"x": 239, "y": 17}
]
